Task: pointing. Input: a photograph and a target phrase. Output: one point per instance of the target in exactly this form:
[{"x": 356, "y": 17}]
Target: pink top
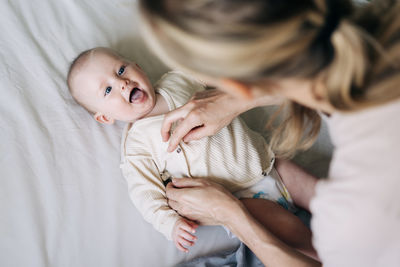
[{"x": 356, "y": 211}]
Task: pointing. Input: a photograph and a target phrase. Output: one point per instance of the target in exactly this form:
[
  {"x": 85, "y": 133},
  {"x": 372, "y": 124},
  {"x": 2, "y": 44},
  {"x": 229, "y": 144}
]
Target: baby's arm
[
  {"x": 182, "y": 234},
  {"x": 147, "y": 193}
]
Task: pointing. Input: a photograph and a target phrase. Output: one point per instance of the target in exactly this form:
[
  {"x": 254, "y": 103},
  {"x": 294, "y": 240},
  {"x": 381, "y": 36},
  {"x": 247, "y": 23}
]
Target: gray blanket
[{"x": 240, "y": 257}]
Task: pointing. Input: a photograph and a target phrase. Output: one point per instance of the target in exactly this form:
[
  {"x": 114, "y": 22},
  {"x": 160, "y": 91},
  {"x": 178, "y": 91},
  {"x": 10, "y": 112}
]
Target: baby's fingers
[
  {"x": 188, "y": 236},
  {"x": 183, "y": 242},
  {"x": 180, "y": 247},
  {"x": 192, "y": 223},
  {"x": 189, "y": 227}
]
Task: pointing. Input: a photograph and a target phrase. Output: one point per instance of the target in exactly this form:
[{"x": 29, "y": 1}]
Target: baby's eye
[
  {"x": 121, "y": 70},
  {"x": 108, "y": 90}
]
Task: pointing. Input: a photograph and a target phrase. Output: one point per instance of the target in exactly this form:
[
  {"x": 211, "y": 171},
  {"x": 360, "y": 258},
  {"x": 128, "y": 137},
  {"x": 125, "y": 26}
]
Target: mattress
[{"x": 63, "y": 200}]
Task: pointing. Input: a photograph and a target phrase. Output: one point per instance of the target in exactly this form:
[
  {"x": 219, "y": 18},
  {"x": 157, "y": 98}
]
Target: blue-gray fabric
[{"x": 239, "y": 257}]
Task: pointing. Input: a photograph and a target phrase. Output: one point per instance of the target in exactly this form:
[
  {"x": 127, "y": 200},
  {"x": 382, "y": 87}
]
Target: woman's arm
[
  {"x": 207, "y": 113},
  {"x": 209, "y": 203},
  {"x": 269, "y": 249}
]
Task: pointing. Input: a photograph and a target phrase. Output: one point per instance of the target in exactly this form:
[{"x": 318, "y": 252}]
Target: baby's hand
[{"x": 182, "y": 234}]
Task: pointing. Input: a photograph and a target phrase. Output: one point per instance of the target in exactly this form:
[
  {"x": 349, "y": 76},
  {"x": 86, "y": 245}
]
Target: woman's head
[
  {"x": 252, "y": 40},
  {"x": 245, "y": 40}
]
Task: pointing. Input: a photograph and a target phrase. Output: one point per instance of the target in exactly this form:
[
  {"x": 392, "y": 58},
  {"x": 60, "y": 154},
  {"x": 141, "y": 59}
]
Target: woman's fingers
[
  {"x": 196, "y": 133},
  {"x": 188, "y": 121},
  {"x": 169, "y": 119},
  {"x": 182, "y": 129},
  {"x": 204, "y": 115},
  {"x": 173, "y": 204},
  {"x": 187, "y": 182},
  {"x": 171, "y": 191},
  {"x": 179, "y": 201},
  {"x": 175, "y": 189},
  {"x": 200, "y": 200}
]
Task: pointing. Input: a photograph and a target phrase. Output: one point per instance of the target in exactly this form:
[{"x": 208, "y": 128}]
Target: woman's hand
[
  {"x": 202, "y": 201},
  {"x": 204, "y": 115}
]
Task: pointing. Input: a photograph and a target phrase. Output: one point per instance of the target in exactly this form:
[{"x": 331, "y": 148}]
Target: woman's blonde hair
[{"x": 355, "y": 52}]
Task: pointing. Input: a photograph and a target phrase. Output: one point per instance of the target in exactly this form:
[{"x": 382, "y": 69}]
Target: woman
[{"x": 321, "y": 58}]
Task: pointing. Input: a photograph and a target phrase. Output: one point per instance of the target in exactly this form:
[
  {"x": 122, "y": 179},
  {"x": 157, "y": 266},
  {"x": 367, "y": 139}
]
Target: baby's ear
[{"x": 103, "y": 118}]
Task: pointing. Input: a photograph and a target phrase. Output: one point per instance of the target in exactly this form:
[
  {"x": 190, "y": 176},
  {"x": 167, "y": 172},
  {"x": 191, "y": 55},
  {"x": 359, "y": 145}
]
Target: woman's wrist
[
  {"x": 237, "y": 105},
  {"x": 257, "y": 101},
  {"x": 229, "y": 216}
]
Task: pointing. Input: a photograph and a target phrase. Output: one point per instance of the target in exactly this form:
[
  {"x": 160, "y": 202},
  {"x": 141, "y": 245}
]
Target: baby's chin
[{"x": 139, "y": 117}]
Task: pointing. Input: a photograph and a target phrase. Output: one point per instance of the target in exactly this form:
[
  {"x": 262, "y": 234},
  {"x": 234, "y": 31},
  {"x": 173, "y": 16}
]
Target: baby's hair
[
  {"x": 73, "y": 68},
  {"x": 77, "y": 62}
]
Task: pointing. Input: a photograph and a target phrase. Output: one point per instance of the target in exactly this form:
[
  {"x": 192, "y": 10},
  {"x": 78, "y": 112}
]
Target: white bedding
[{"x": 63, "y": 200}]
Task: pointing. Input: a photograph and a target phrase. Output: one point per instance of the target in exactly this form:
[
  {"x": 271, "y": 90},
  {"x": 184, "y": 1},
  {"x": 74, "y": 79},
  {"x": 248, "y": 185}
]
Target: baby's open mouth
[{"x": 135, "y": 95}]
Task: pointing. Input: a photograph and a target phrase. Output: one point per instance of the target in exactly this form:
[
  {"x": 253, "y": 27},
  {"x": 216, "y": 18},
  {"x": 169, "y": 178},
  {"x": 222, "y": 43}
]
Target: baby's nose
[{"x": 124, "y": 85}]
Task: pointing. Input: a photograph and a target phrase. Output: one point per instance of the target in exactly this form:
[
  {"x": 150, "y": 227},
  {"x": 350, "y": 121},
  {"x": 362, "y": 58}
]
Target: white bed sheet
[{"x": 63, "y": 200}]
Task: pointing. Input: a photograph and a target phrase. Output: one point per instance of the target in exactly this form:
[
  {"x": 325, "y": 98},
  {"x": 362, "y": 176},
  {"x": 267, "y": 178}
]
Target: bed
[{"x": 63, "y": 200}]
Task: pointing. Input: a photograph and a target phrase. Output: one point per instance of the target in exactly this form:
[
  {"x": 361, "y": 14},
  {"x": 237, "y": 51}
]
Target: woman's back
[{"x": 357, "y": 210}]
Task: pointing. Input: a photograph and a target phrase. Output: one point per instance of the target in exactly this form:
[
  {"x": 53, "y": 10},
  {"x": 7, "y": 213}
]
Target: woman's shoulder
[
  {"x": 380, "y": 121},
  {"x": 366, "y": 151}
]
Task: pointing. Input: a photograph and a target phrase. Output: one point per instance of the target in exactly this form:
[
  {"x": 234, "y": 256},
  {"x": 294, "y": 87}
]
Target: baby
[{"x": 113, "y": 88}]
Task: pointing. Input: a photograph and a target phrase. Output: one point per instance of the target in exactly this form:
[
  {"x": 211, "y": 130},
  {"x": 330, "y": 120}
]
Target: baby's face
[{"x": 114, "y": 87}]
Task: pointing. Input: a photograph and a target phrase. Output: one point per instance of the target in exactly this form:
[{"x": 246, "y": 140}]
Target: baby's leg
[
  {"x": 299, "y": 183},
  {"x": 283, "y": 224}
]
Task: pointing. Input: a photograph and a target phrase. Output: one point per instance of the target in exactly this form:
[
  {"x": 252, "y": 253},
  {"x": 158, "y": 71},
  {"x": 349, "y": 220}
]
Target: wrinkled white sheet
[{"x": 63, "y": 200}]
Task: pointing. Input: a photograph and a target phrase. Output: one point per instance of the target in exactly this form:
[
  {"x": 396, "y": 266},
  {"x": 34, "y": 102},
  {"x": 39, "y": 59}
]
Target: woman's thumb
[{"x": 186, "y": 182}]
